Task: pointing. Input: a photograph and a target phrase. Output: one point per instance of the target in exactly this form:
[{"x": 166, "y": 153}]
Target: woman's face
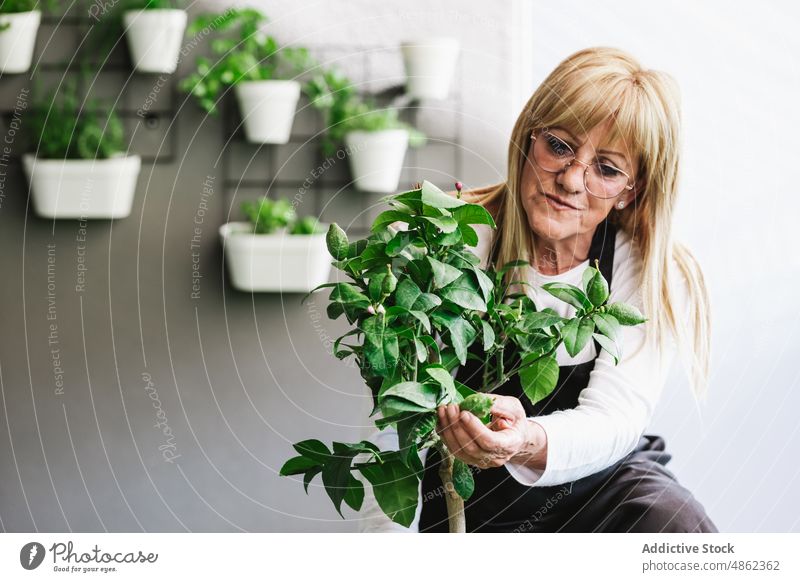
[{"x": 554, "y": 222}]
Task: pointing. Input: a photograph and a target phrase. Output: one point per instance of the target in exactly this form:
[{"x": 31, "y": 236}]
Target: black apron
[{"x": 500, "y": 503}]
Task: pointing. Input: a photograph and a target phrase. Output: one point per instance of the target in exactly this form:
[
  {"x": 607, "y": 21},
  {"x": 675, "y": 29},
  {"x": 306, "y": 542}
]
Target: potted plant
[
  {"x": 275, "y": 251},
  {"x": 80, "y": 168},
  {"x": 19, "y": 22},
  {"x": 154, "y": 30},
  {"x": 375, "y": 138},
  {"x": 429, "y": 66},
  {"x": 257, "y": 67},
  {"x": 417, "y": 299}
]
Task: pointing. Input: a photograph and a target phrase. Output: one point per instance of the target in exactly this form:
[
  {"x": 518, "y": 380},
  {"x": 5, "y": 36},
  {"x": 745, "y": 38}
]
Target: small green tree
[{"x": 411, "y": 288}]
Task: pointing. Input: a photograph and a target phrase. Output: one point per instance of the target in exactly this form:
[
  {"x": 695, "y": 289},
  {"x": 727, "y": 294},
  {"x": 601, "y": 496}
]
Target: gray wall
[{"x": 238, "y": 377}]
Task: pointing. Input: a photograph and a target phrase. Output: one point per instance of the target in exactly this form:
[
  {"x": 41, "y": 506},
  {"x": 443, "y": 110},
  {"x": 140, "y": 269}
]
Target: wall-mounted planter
[
  {"x": 267, "y": 109},
  {"x": 430, "y": 65},
  {"x": 376, "y": 158},
  {"x": 154, "y": 38},
  {"x": 101, "y": 188},
  {"x": 291, "y": 263},
  {"x": 17, "y": 41}
]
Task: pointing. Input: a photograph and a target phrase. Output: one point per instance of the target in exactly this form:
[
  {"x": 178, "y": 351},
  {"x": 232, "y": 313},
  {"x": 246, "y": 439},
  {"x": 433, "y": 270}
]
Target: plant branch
[{"x": 455, "y": 504}]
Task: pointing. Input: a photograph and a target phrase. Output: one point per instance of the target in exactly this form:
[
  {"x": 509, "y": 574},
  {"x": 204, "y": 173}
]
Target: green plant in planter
[
  {"x": 410, "y": 288},
  {"x": 344, "y": 110},
  {"x": 14, "y": 6},
  {"x": 254, "y": 56},
  {"x": 63, "y": 126},
  {"x": 268, "y": 216}
]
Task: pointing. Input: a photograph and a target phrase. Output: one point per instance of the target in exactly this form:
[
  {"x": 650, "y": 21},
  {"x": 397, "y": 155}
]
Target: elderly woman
[{"x": 592, "y": 175}]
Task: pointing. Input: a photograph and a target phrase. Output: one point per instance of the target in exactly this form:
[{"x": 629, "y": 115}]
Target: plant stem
[
  {"x": 516, "y": 369},
  {"x": 455, "y": 504}
]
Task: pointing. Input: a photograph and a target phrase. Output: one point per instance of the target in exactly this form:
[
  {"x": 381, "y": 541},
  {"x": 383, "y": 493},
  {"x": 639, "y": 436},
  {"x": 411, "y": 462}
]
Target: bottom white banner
[{"x": 387, "y": 557}]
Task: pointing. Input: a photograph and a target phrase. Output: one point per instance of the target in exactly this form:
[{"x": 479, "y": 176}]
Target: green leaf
[
  {"x": 422, "y": 394},
  {"x": 422, "y": 350},
  {"x": 597, "y": 290},
  {"x": 406, "y": 293},
  {"x": 469, "y": 235},
  {"x": 422, "y": 317},
  {"x": 336, "y": 478},
  {"x": 569, "y": 294},
  {"x": 430, "y": 345},
  {"x": 391, "y": 405},
  {"x": 625, "y": 314},
  {"x": 337, "y": 242},
  {"x": 380, "y": 346},
  {"x": 576, "y": 333},
  {"x": 349, "y": 294},
  {"x": 355, "y": 448},
  {"x": 297, "y": 465},
  {"x": 400, "y": 241},
  {"x": 376, "y": 287},
  {"x": 473, "y": 214},
  {"x": 443, "y": 274},
  {"x": 485, "y": 283},
  {"x": 385, "y": 421},
  {"x": 396, "y": 489},
  {"x": 463, "y": 481},
  {"x": 334, "y": 310},
  {"x": 389, "y": 217},
  {"x": 433, "y": 196},
  {"x": 313, "y": 449},
  {"x": 464, "y": 292},
  {"x": 609, "y": 346},
  {"x": 588, "y": 273},
  {"x": 511, "y": 265},
  {"x": 537, "y": 343},
  {"x": 541, "y": 320},
  {"x": 412, "y": 199},
  {"x": 441, "y": 376},
  {"x": 426, "y": 301},
  {"x": 310, "y": 474},
  {"x": 354, "y": 495},
  {"x": 446, "y": 224},
  {"x": 459, "y": 332},
  {"x": 539, "y": 377},
  {"x": 488, "y": 335},
  {"x": 607, "y": 325},
  {"x": 410, "y": 430}
]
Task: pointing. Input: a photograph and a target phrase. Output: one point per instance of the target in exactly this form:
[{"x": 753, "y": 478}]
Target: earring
[{"x": 621, "y": 205}]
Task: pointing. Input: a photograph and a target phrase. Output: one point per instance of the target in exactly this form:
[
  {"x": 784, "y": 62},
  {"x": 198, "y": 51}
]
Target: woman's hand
[{"x": 475, "y": 443}]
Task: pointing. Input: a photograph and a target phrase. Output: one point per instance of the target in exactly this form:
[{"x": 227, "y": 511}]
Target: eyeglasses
[{"x": 601, "y": 179}]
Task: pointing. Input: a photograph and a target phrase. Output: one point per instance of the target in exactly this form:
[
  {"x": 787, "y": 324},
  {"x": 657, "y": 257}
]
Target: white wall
[{"x": 736, "y": 63}]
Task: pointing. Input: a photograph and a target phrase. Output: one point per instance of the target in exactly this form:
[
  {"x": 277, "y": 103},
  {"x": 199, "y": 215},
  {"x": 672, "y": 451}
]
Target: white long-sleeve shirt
[{"x": 613, "y": 410}]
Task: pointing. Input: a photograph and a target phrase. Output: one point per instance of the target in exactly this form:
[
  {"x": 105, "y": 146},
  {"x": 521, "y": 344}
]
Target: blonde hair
[{"x": 584, "y": 90}]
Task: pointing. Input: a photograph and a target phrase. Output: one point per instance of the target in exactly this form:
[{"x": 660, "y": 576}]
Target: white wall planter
[
  {"x": 82, "y": 188},
  {"x": 376, "y": 158},
  {"x": 267, "y": 109},
  {"x": 154, "y": 38},
  {"x": 292, "y": 263},
  {"x": 430, "y": 65},
  {"x": 18, "y": 41}
]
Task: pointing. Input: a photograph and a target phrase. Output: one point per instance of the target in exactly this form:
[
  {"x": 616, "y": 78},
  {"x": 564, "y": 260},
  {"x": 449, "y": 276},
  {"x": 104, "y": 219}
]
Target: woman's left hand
[{"x": 475, "y": 443}]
